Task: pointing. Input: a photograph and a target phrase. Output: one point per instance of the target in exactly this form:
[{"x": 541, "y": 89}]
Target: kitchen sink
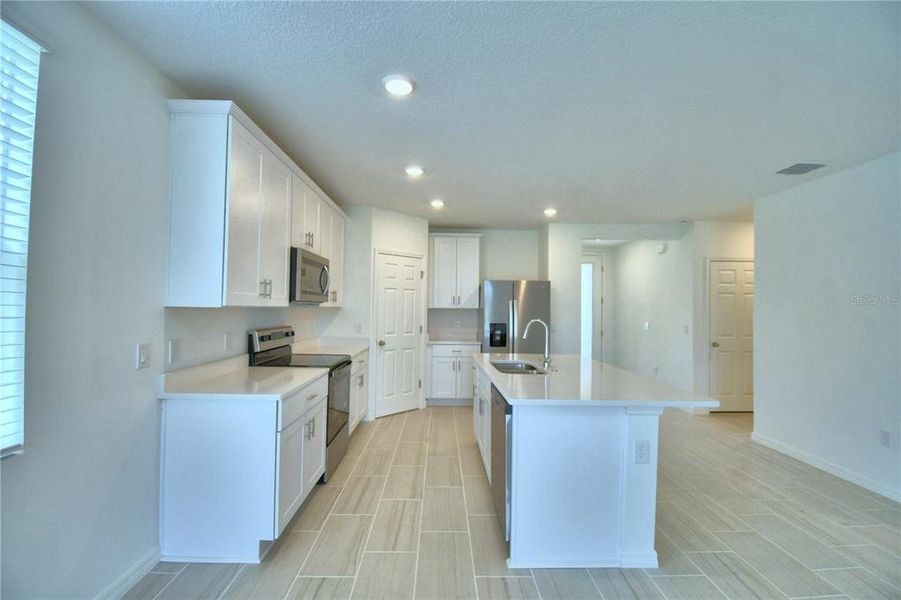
[{"x": 517, "y": 367}]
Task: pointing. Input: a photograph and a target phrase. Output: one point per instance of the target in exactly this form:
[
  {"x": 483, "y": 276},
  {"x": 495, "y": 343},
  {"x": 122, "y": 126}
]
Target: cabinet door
[
  {"x": 314, "y": 445},
  {"x": 444, "y": 272},
  {"x": 464, "y": 377},
  {"x": 444, "y": 377},
  {"x": 336, "y": 297},
  {"x": 325, "y": 229},
  {"x": 275, "y": 229},
  {"x": 290, "y": 475},
  {"x": 311, "y": 221},
  {"x": 298, "y": 207},
  {"x": 243, "y": 285},
  {"x": 468, "y": 272}
]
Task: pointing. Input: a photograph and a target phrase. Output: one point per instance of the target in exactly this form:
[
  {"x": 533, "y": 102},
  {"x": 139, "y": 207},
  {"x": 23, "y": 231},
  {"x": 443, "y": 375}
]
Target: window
[{"x": 19, "y": 61}]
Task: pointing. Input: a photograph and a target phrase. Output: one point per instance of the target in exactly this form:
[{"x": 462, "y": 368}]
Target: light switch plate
[
  {"x": 142, "y": 356},
  {"x": 227, "y": 342},
  {"x": 642, "y": 451},
  {"x": 172, "y": 352}
]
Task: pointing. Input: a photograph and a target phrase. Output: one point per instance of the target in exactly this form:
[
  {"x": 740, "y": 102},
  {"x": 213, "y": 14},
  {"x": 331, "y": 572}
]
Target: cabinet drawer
[
  {"x": 297, "y": 404},
  {"x": 455, "y": 351}
]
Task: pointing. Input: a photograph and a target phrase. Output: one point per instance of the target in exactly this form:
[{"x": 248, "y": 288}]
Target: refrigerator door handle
[{"x": 512, "y": 324}]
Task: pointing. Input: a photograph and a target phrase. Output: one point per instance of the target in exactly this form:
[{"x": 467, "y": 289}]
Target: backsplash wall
[{"x": 200, "y": 332}]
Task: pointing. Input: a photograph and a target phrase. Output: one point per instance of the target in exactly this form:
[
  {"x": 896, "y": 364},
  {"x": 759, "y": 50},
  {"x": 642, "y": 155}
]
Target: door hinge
[
  {"x": 422, "y": 274},
  {"x": 420, "y": 384},
  {"x": 420, "y": 329}
]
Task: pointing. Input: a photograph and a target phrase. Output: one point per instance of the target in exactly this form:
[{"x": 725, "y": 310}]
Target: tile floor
[{"x": 409, "y": 514}]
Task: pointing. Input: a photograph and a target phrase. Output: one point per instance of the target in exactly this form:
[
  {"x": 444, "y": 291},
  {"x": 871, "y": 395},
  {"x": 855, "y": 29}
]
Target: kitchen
[{"x": 315, "y": 343}]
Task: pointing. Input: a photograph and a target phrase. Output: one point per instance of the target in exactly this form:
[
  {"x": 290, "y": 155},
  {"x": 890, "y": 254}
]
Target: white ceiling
[{"x": 613, "y": 113}]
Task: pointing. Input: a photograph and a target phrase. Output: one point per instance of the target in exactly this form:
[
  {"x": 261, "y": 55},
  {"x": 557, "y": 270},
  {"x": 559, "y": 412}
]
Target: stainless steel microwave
[{"x": 309, "y": 277}]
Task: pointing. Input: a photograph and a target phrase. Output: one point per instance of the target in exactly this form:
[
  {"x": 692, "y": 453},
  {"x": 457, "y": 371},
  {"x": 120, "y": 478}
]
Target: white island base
[
  {"x": 579, "y": 499},
  {"x": 582, "y": 460}
]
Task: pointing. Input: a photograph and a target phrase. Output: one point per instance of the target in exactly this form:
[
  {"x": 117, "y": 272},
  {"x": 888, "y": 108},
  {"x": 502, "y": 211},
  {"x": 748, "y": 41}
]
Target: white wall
[
  {"x": 509, "y": 254},
  {"x": 712, "y": 239},
  {"x": 826, "y": 374},
  {"x": 560, "y": 246},
  {"x": 647, "y": 287},
  {"x": 80, "y": 506}
]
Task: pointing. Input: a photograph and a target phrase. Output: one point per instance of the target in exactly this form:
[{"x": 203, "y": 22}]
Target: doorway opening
[{"x": 591, "y": 306}]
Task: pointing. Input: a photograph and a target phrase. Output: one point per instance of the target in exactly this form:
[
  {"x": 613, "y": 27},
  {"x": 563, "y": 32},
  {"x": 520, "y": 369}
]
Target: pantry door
[
  {"x": 398, "y": 333},
  {"x": 731, "y": 334}
]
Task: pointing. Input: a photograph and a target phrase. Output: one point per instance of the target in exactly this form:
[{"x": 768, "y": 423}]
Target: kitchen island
[{"x": 573, "y": 450}]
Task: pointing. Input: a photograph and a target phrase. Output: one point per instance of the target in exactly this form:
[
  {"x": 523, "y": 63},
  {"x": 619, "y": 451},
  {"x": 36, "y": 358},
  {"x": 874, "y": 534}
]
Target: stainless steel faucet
[{"x": 547, "y": 340}]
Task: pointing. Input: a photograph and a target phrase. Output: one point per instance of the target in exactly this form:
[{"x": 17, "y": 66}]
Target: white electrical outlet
[
  {"x": 172, "y": 351},
  {"x": 885, "y": 439},
  {"x": 142, "y": 356},
  {"x": 646, "y": 325},
  {"x": 227, "y": 341},
  {"x": 358, "y": 328},
  {"x": 642, "y": 451}
]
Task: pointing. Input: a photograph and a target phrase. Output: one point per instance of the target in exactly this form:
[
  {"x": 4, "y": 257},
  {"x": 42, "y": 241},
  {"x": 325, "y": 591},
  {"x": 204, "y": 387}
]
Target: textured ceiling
[{"x": 620, "y": 112}]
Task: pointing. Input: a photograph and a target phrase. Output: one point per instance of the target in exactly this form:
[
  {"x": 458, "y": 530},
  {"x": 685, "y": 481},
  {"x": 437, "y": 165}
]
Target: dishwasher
[{"x": 501, "y": 452}]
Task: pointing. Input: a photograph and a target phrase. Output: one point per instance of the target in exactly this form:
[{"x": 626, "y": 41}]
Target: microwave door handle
[{"x": 328, "y": 279}]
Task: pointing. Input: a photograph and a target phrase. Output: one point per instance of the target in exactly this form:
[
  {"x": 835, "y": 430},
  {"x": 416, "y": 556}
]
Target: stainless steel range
[{"x": 272, "y": 348}]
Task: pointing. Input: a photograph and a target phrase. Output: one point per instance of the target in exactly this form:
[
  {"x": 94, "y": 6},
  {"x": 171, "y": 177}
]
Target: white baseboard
[
  {"x": 449, "y": 401},
  {"x": 131, "y": 576},
  {"x": 831, "y": 468}
]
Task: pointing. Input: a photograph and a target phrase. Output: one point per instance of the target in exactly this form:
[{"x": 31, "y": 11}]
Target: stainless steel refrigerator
[{"x": 507, "y": 306}]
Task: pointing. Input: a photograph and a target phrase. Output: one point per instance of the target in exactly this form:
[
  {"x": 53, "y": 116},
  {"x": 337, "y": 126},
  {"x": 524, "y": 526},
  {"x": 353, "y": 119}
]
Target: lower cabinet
[
  {"x": 359, "y": 389},
  {"x": 451, "y": 371},
  {"x": 235, "y": 470},
  {"x": 481, "y": 415}
]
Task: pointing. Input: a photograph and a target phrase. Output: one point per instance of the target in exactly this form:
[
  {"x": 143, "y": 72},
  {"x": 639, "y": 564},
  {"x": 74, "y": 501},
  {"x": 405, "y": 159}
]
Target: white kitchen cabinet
[
  {"x": 444, "y": 377},
  {"x": 237, "y": 203},
  {"x": 314, "y": 445},
  {"x": 291, "y": 490},
  {"x": 454, "y": 272},
  {"x": 359, "y": 389},
  {"x": 450, "y": 370},
  {"x": 336, "y": 261},
  {"x": 235, "y": 470},
  {"x": 228, "y": 220},
  {"x": 481, "y": 414}
]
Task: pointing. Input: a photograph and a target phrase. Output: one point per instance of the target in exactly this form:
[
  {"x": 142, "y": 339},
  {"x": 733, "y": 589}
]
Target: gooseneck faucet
[{"x": 547, "y": 340}]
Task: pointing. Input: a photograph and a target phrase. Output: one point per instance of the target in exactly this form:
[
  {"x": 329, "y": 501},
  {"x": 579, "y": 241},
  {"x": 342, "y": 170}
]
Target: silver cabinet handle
[
  {"x": 313, "y": 424},
  {"x": 306, "y": 430},
  {"x": 359, "y": 381},
  {"x": 311, "y": 396}
]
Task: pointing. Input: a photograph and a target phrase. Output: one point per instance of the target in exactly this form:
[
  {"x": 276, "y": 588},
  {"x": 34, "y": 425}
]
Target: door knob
[
  {"x": 715, "y": 344},
  {"x": 381, "y": 342}
]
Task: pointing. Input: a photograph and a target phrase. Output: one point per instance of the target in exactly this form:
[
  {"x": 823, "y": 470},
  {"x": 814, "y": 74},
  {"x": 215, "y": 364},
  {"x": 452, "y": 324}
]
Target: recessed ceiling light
[
  {"x": 398, "y": 85},
  {"x": 550, "y": 212},
  {"x": 414, "y": 170},
  {"x": 437, "y": 203},
  {"x": 800, "y": 168}
]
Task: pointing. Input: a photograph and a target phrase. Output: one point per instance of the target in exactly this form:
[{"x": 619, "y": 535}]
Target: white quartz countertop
[
  {"x": 262, "y": 383},
  {"x": 453, "y": 342},
  {"x": 574, "y": 381},
  {"x": 326, "y": 345}
]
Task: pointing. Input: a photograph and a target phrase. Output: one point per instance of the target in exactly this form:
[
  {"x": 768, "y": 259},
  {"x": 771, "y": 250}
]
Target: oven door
[
  {"x": 309, "y": 277},
  {"x": 338, "y": 401}
]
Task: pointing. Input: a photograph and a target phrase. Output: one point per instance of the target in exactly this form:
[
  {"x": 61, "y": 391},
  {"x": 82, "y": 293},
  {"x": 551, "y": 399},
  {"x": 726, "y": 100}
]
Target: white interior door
[
  {"x": 731, "y": 327},
  {"x": 398, "y": 342}
]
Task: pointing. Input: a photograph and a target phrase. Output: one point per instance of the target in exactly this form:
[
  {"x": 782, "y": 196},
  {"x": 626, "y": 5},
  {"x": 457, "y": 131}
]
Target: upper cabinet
[
  {"x": 237, "y": 204},
  {"x": 318, "y": 227},
  {"x": 454, "y": 271}
]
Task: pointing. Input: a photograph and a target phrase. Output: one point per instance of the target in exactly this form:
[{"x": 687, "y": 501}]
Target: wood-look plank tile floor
[{"x": 409, "y": 515}]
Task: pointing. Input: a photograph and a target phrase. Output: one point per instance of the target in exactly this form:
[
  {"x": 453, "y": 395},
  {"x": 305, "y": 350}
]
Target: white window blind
[{"x": 19, "y": 61}]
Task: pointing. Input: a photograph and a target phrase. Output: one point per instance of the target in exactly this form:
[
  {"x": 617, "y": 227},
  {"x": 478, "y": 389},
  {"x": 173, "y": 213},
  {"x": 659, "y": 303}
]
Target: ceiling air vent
[{"x": 800, "y": 169}]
